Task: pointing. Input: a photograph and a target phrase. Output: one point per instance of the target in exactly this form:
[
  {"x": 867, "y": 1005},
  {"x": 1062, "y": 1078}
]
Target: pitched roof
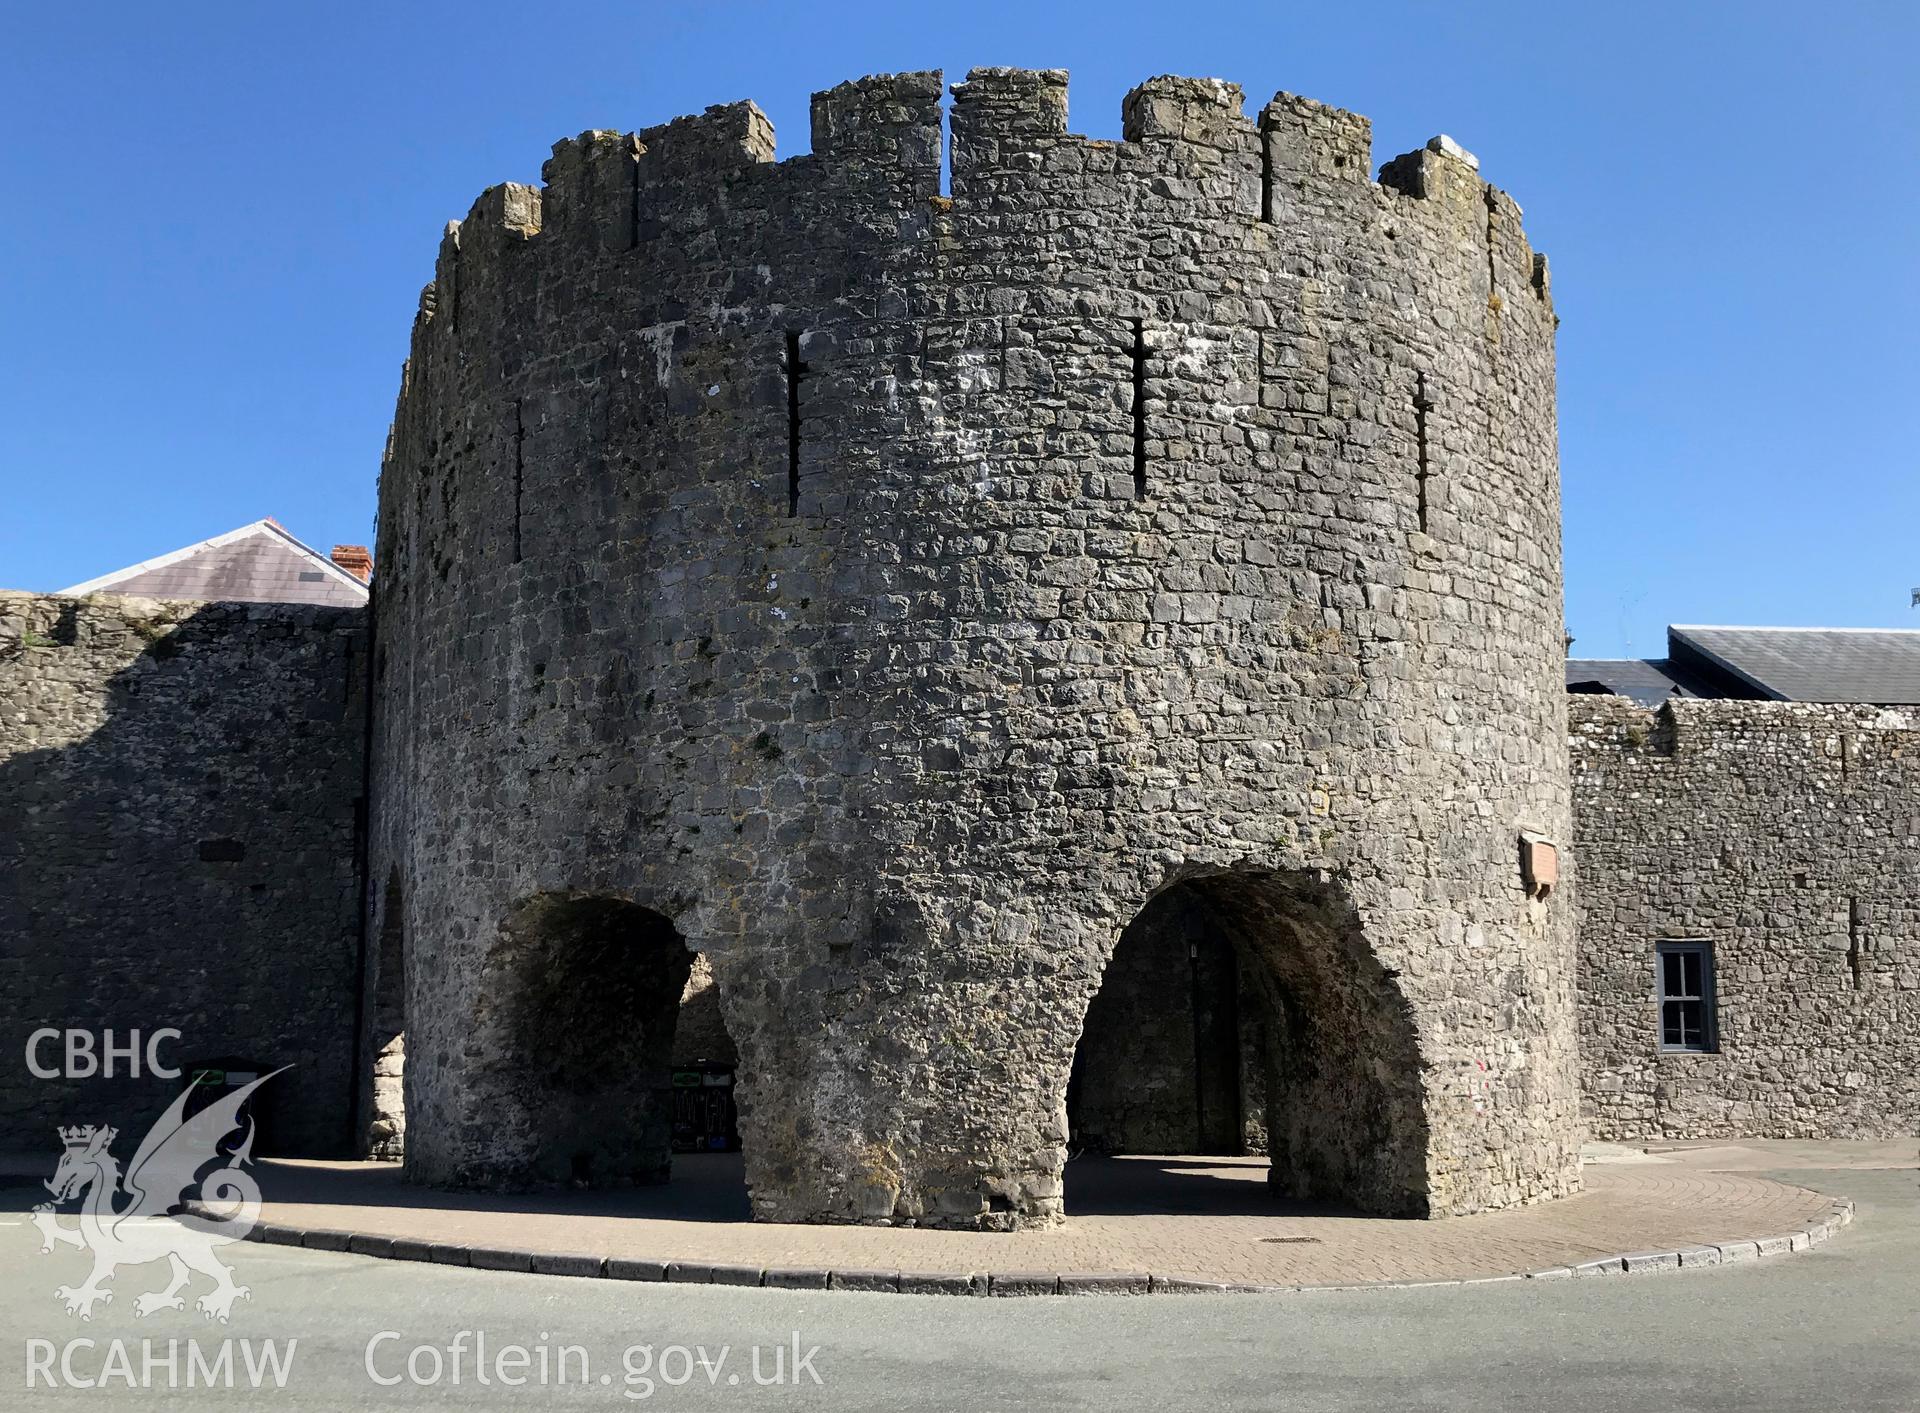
[
  {"x": 1880, "y": 666},
  {"x": 1647, "y": 680},
  {"x": 257, "y": 563}
]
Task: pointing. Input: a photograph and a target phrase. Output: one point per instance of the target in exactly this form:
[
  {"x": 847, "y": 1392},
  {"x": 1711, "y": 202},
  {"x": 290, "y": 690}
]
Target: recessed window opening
[{"x": 1685, "y": 974}]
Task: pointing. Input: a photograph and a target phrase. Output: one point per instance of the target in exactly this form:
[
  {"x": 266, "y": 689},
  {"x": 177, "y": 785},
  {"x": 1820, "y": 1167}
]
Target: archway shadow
[
  {"x": 613, "y": 1053},
  {"x": 703, "y": 1187},
  {"x": 711, "y": 1187},
  {"x": 1151, "y": 1185},
  {"x": 1242, "y": 1011}
]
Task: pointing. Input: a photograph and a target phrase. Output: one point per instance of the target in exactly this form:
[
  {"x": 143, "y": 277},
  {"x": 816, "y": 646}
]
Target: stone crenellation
[
  {"x": 1070, "y": 662},
  {"x": 1787, "y": 835},
  {"x": 891, "y": 591}
]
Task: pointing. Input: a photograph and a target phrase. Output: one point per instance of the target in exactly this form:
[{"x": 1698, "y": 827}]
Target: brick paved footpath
[{"x": 1201, "y": 1219}]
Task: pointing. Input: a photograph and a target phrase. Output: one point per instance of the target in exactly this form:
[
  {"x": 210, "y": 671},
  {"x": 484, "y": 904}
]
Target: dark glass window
[{"x": 1685, "y": 973}]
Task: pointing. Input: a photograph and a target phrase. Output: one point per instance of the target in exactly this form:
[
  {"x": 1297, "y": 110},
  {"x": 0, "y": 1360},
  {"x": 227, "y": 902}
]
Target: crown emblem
[{"x": 84, "y": 1136}]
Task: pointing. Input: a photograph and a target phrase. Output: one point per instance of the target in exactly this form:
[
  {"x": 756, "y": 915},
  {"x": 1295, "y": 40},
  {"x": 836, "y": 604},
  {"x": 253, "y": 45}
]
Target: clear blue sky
[{"x": 219, "y": 217}]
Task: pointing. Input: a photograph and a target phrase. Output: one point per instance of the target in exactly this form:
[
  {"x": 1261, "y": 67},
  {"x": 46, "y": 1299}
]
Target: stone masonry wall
[
  {"x": 1137, "y": 1082},
  {"x": 897, "y": 589},
  {"x": 1170, "y": 1058},
  {"x": 1788, "y": 836},
  {"x": 178, "y": 784}
]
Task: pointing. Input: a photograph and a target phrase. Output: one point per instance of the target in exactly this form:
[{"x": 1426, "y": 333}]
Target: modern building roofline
[
  {"x": 1677, "y": 638},
  {"x": 268, "y": 526}
]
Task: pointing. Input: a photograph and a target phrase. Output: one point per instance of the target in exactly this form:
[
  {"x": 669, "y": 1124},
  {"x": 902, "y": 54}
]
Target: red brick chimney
[{"x": 355, "y": 560}]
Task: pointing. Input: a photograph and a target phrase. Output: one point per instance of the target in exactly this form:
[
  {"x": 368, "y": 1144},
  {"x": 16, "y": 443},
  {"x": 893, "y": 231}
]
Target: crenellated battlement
[
  {"x": 1291, "y": 185},
  {"x": 1202, "y": 112},
  {"x": 1310, "y": 141},
  {"x": 589, "y": 188},
  {"x": 896, "y": 589},
  {"x": 1443, "y": 170},
  {"x": 1713, "y": 734},
  {"x": 881, "y": 138},
  {"x": 891, "y": 121},
  {"x": 1009, "y": 106},
  {"x": 1211, "y": 261},
  {"x": 722, "y": 139}
]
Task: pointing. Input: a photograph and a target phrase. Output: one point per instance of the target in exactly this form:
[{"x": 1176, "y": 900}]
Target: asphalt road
[{"x": 1828, "y": 1330}]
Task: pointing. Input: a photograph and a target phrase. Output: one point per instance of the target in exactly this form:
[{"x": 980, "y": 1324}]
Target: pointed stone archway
[{"x": 1243, "y": 1007}]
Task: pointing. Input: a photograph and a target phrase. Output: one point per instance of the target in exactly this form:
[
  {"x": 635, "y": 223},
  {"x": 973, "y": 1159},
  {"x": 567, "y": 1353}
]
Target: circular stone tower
[{"x": 889, "y": 595}]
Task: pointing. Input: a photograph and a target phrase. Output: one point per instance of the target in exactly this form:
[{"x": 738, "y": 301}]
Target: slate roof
[
  {"x": 257, "y": 563},
  {"x": 1647, "y": 680},
  {"x": 1874, "y": 665}
]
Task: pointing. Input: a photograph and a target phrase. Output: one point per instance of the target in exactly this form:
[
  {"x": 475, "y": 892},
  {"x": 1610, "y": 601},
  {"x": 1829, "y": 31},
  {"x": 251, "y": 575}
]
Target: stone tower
[{"x": 888, "y": 594}]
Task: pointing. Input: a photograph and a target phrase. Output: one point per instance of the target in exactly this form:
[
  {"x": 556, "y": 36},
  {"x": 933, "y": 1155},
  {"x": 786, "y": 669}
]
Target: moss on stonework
[{"x": 160, "y": 635}]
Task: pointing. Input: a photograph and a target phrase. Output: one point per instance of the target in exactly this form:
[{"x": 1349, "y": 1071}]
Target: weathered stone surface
[
  {"x": 941, "y": 1283},
  {"x": 895, "y": 591},
  {"x": 499, "y": 1258},
  {"x": 714, "y": 1273},
  {"x": 1024, "y": 1283},
  {"x": 1104, "y": 1282},
  {"x": 1173, "y": 1055},
  {"x": 795, "y": 1278},
  {"x": 554, "y": 1263},
  {"x": 1640, "y": 1261},
  {"x": 178, "y": 785},
  {"x": 1180, "y": 1285},
  {"x": 700, "y": 1033},
  {"x": 1788, "y": 836},
  {"x": 865, "y": 1280},
  {"x": 625, "y": 1269}
]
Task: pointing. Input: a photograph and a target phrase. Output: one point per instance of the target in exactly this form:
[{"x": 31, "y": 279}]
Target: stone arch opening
[
  {"x": 589, "y": 994},
  {"x": 387, "y": 1023},
  {"x": 706, "y": 1116},
  {"x": 1244, "y": 1013}
]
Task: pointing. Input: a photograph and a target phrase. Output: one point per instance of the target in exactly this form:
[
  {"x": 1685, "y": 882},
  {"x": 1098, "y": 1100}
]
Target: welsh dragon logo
[{"x": 134, "y": 1221}]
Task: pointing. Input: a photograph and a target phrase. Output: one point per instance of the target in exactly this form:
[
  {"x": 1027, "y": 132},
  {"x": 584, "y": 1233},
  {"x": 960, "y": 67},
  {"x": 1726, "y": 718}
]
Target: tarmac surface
[
  {"x": 1832, "y": 1328},
  {"x": 1205, "y": 1219}
]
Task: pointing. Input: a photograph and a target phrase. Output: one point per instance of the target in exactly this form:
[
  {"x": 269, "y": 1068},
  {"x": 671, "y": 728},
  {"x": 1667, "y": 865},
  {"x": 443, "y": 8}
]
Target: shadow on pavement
[
  {"x": 711, "y": 1187},
  {"x": 1155, "y": 1185}
]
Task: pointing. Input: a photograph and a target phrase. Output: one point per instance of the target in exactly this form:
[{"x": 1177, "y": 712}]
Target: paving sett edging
[{"x": 985, "y": 1283}]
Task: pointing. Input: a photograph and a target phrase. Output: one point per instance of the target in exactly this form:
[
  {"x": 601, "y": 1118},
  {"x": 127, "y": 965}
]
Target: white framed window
[{"x": 1683, "y": 972}]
